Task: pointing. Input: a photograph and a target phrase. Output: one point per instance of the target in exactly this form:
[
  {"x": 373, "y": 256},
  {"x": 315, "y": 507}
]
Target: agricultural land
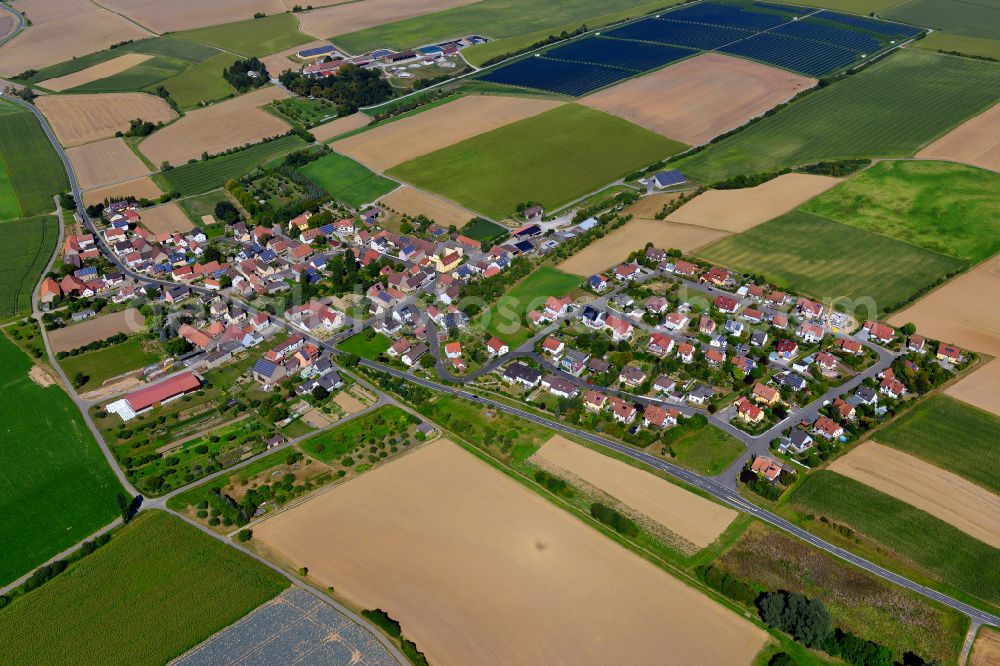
[
  {"x": 30, "y": 171},
  {"x": 347, "y": 180},
  {"x": 973, "y": 142}
]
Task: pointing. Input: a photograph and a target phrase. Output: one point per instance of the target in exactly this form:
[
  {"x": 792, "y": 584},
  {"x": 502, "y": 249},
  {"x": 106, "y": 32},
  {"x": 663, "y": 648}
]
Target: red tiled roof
[{"x": 147, "y": 397}]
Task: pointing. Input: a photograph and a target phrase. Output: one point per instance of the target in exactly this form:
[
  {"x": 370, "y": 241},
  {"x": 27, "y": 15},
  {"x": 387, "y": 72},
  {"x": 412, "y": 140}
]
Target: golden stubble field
[
  {"x": 216, "y": 128},
  {"x": 339, "y": 126},
  {"x": 986, "y": 649},
  {"x": 964, "y": 312},
  {"x": 98, "y": 328},
  {"x": 165, "y": 218},
  {"x": 350, "y": 16},
  {"x": 976, "y": 142},
  {"x": 480, "y": 570},
  {"x": 105, "y": 162},
  {"x": 407, "y": 138},
  {"x": 79, "y": 119},
  {"x": 139, "y": 188},
  {"x": 698, "y": 99},
  {"x": 736, "y": 211},
  {"x": 95, "y": 72},
  {"x": 412, "y": 201},
  {"x": 944, "y": 495},
  {"x": 184, "y": 14}
]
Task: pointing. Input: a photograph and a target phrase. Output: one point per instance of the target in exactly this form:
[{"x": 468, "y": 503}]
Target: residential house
[
  {"x": 574, "y": 361},
  {"x": 765, "y": 395},
  {"x": 848, "y": 346},
  {"x": 758, "y": 339},
  {"x": 700, "y": 394},
  {"x": 706, "y": 325},
  {"x": 766, "y": 467},
  {"x": 748, "y": 412},
  {"x": 594, "y": 401},
  {"x": 796, "y": 442},
  {"x": 685, "y": 269},
  {"x": 686, "y": 352},
  {"x": 845, "y": 409},
  {"x": 892, "y": 387},
  {"x": 675, "y": 321},
  {"x": 522, "y": 374},
  {"x": 726, "y": 304},
  {"x": 557, "y": 386},
  {"x": 598, "y": 283},
  {"x": 664, "y": 384},
  {"x": 632, "y": 376},
  {"x": 620, "y": 329},
  {"x": 949, "y": 353},
  {"x": 880, "y": 332},
  {"x": 413, "y": 354},
  {"x": 654, "y": 416},
  {"x": 453, "y": 349},
  {"x": 623, "y": 412},
  {"x": 399, "y": 347},
  {"x": 553, "y": 347},
  {"x": 810, "y": 333},
  {"x": 660, "y": 344},
  {"x": 627, "y": 272},
  {"x": 715, "y": 357},
  {"x": 809, "y": 309},
  {"x": 827, "y": 428},
  {"x": 496, "y": 348}
]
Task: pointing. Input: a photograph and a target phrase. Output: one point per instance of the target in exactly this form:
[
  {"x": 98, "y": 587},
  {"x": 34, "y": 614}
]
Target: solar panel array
[
  {"x": 711, "y": 13},
  {"x": 558, "y": 76},
  {"x": 886, "y": 29},
  {"x": 800, "y": 55},
  {"x": 637, "y": 56},
  {"x": 821, "y": 32},
  {"x": 692, "y": 35}
]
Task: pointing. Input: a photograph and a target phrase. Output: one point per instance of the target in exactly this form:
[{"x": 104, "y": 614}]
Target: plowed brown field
[
  {"x": 340, "y": 126},
  {"x": 98, "y": 328},
  {"x": 348, "y": 17},
  {"x": 95, "y": 73},
  {"x": 412, "y": 201},
  {"x": 139, "y": 188},
  {"x": 184, "y": 14},
  {"x": 104, "y": 162},
  {"x": 165, "y": 219},
  {"x": 976, "y": 142},
  {"x": 78, "y": 119}
]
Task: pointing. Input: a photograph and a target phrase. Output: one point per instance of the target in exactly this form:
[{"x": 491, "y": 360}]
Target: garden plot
[
  {"x": 105, "y": 162},
  {"x": 412, "y": 201},
  {"x": 974, "y": 142},
  {"x": 125, "y": 321},
  {"x": 559, "y": 591},
  {"x": 79, "y": 119},
  {"x": 95, "y": 73},
  {"x": 139, "y": 188}
]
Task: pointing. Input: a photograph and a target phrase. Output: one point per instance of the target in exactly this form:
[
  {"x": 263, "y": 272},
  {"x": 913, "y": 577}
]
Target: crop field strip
[
  {"x": 28, "y": 244},
  {"x": 29, "y": 168},
  {"x": 200, "y": 177}
]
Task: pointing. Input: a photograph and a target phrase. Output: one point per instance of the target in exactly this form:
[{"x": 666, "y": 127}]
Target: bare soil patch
[
  {"x": 986, "y": 649},
  {"x": 47, "y": 11},
  {"x": 76, "y": 34},
  {"x": 7, "y": 25},
  {"x": 165, "y": 219},
  {"x": 976, "y": 142},
  {"x": 316, "y": 419},
  {"x": 963, "y": 312},
  {"x": 736, "y": 211},
  {"x": 98, "y": 328},
  {"x": 616, "y": 246},
  {"x": 139, "y": 188},
  {"x": 117, "y": 387},
  {"x": 79, "y": 119},
  {"x": 411, "y": 201},
  {"x": 649, "y": 205},
  {"x": 558, "y": 591},
  {"x": 339, "y": 126},
  {"x": 402, "y": 140},
  {"x": 41, "y": 376},
  {"x": 348, "y": 17},
  {"x": 216, "y": 128},
  {"x": 944, "y": 495},
  {"x": 700, "y": 98},
  {"x": 95, "y": 73},
  {"x": 185, "y": 14},
  {"x": 279, "y": 61},
  {"x": 349, "y": 403},
  {"x": 104, "y": 162},
  {"x": 691, "y": 517}
]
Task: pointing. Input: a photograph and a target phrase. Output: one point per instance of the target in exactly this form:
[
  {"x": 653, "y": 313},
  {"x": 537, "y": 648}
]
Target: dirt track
[
  {"x": 963, "y": 312},
  {"x": 942, "y": 494},
  {"x": 165, "y": 218},
  {"x": 139, "y": 188},
  {"x": 700, "y": 98},
  {"x": 216, "y": 128},
  {"x": 348, "y": 17},
  {"x": 95, "y": 73},
  {"x": 98, "y": 328},
  {"x": 976, "y": 141},
  {"x": 103, "y": 162},
  {"x": 986, "y": 649},
  {"x": 479, "y": 570},
  {"x": 79, "y": 119},
  {"x": 340, "y": 126},
  {"x": 404, "y": 139},
  {"x": 738, "y": 210},
  {"x": 412, "y": 201}
]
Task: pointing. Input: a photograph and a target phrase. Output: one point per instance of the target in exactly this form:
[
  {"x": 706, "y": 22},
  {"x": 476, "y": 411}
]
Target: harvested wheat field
[
  {"x": 140, "y": 188},
  {"x": 411, "y": 201},
  {"x": 78, "y": 119},
  {"x": 184, "y": 14},
  {"x": 98, "y": 328},
  {"x": 339, "y": 126},
  {"x": 96, "y": 72},
  {"x": 942, "y": 494},
  {"x": 402, "y": 140},
  {"x": 558, "y": 591},
  {"x": 348, "y": 17},
  {"x": 7, "y": 25},
  {"x": 648, "y": 206},
  {"x": 105, "y": 162},
  {"x": 975, "y": 142},
  {"x": 986, "y": 649},
  {"x": 623, "y": 241},
  {"x": 75, "y": 35},
  {"x": 217, "y": 128},
  {"x": 698, "y": 99},
  {"x": 165, "y": 218},
  {"x": 961, "y": 313},
  {"x": 693, "y": 518},
  {"x": 47, "y": 11},
  {"x": 738, "y": 210}
]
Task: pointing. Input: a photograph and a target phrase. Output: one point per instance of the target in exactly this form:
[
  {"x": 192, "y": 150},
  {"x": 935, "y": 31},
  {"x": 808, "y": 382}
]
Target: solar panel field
[
  {"x": 799, "y": 55},
  {"x": 637, "y": 56},
  {"x": 558, "y": 76}
]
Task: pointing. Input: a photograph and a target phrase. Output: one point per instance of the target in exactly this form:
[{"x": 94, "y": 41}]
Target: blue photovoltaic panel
[
  {"x": 637, "y": 56},
  {"x": 558, "y": 76},
  {"x": 800, "y": 55},
  {"x": 788, "y": 9},
  {"x": 726, "y": 16},
  {"x": 884, "y": 28},
  {"x": 679, "y": 34},
  {"x": 822, "y": 32}
]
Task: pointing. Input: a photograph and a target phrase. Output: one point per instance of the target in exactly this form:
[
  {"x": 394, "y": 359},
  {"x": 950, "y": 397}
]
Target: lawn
[
  {"x": 103, "y": 364},
  {"x": 202, "y": 204},
  {"x": 483, "y": 230},
  {"x": 27, "y": 245},
  {"x": 944, "y": 41},
  {"x": 948, "y": 208},
  {"x": 890, "y": 109},
  {"x": 56, "y": 488},
  {"x": 973, "y": 19},
  {"x": 506, "y": 318},
  {"x": 365, "y": 347},
  {"x": 253, "y": 37},
  {"x": 30, "y": 166},
  {"x": 347, "y": 180},
  {"x": 157, "y": 589},
  {"x": 527, "y": 160},
  {"x": 706, "y": 450},
  {"x": 332, "y": 445},
  {"x": 137, "y": 77},
  {"x": 931, "y": 546},
  {"x": 824, "y": 259},
  {"x": 202, "y": 82},
  {"x": 950, "y": 434},
  {"x": 200, "y": 177}
]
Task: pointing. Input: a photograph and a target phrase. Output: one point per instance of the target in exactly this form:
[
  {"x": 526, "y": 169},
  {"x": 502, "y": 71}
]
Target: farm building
[{"x": 143, "y": 400}]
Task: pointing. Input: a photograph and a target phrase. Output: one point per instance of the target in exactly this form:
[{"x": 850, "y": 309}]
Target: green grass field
[
  {"x": 27, "y": 245},
  {"x": 949, "y": 208},
  {"x": 137, "y": 77},
  {"x": 201, "y": 177},
  {"x": 507, "y": 316},
  {"x": 824, "y": 259},
  {"x": 945, "y": 41},
  {"x": 707, "y": 450},
  {"x": 360, "y": 345},
  {"x": 527, "y": 160},
  {"x": 950, "y": 434},
  {"x": 890, "y": 109},
  {"x": 56, "y": 487},
  {"x": 253, "y": 37},
  {"x": 932, "y": 546},
  {"x": 202, "y": 82},
  {"x": 29, "y": 167},
  {"x": 347, "y": 180},
  {"x": 336, "y": 443},
  {"x": 483, "y": 230},
  {"x": 103, "y": 364},
  {"x": 201, "y": 204},
  {"x": 973, "y": 19},
  {"x": 157, "y": 589}
]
